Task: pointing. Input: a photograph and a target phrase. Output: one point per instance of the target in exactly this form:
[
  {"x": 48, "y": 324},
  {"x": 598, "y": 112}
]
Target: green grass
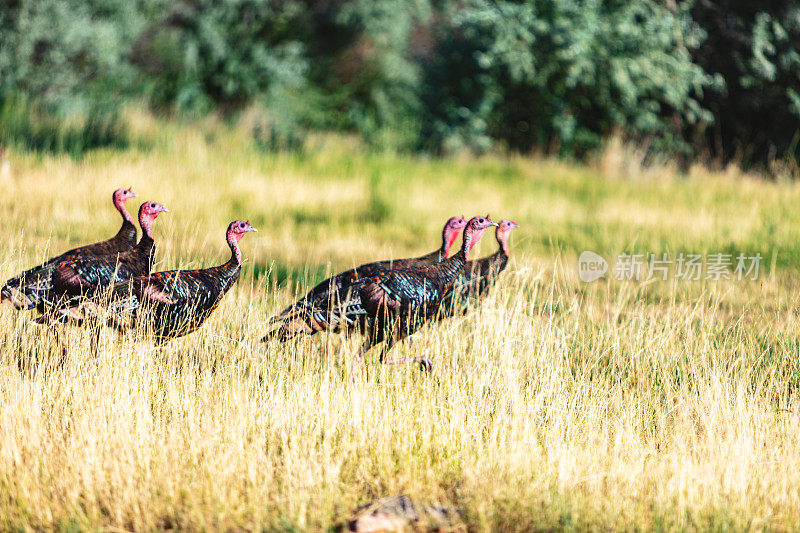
[{"x": 554, "y": 405}]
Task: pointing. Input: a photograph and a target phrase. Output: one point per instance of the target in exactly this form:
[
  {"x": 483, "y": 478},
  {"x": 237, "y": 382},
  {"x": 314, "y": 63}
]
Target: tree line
[{"x": 718, "y": 80}]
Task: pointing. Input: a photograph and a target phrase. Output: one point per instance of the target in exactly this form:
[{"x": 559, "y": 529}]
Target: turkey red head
[
  {"x": 503, "y": 232},
  {"x": 237, "y": 230},
  {"x": 120, "y": 197},
  {"x": 152, "y": 210},
  {"x": 452, "y": 229},
  {"x": 148, "y": 212},
  {"x": 475, "y": 229}
]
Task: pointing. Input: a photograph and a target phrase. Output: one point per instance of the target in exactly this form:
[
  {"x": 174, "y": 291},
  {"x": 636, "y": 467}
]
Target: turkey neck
[
  {"x": 128, "y": 228},
  {"x": 127, "y": 231},
  {"x": 502, "y": 241},
  {"x": 451, "y": 267},
  {"x": 231, "y": 267},
  {"x": 448, "y": 236},
  {"x": 495, "y": 263},
  {"x": 145, "y": 244},
  {"x": 499, "y": 259}
]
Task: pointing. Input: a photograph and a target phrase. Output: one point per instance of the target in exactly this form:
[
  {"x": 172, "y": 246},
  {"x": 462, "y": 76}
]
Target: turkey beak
[
  {"x": 251, "y": 228},
  {"x": 163, "y": 209},
  {"x": 514, "y": 225}
]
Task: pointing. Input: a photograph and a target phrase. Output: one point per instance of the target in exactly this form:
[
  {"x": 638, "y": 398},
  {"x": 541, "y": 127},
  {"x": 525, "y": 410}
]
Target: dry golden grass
[{"x": 554, "y": 405}]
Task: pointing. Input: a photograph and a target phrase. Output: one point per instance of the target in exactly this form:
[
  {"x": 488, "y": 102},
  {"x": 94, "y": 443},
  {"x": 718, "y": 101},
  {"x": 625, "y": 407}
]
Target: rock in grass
[{"x": 401, "y": 513}]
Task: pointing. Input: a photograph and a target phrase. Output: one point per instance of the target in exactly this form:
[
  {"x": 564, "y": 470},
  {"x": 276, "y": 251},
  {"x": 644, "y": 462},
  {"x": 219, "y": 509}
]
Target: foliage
[
  {"x": 564, "y": 74},
  {"x": 692, "y": 78},
  {"x": 63, "y": 69},
  {"x": 69, "y": 54},
  {"x": 204, "y": 53},
  {"x": 29, "y": 125},
  {"x": 376, "y": 71},
  {"x": 753, "y": 49}
]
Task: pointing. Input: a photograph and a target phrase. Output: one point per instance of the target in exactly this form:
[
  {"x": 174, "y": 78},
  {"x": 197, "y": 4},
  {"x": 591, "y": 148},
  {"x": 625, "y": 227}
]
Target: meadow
[{"x": 555, "y": 404}]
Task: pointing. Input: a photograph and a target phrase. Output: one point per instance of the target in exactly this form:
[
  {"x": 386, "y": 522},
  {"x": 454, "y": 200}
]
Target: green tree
[
  {"x": 68, "y": 53},
  {"x": 753, "y": 50},
  {"x": 563, "y": 74},
  {"x": 206, "y": 53}
]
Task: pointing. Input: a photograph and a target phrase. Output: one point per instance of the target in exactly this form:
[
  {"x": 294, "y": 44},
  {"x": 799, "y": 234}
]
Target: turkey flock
[{"x": 112, "y": 282}]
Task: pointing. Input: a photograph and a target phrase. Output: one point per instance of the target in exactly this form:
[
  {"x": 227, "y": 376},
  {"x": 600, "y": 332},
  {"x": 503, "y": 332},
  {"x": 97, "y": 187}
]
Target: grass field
[{"x": 554, "y": 405}]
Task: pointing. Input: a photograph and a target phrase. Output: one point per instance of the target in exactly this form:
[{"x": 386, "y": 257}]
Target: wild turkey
[
  {"x": 86, "y": 275},
  {"x": 177, "y": 302},
  {"x": 393, "y": 304},
  {"x": 297, "y": 318},
  {"x": 479, "y": 275},
  {"x": 25, "y": 290}
]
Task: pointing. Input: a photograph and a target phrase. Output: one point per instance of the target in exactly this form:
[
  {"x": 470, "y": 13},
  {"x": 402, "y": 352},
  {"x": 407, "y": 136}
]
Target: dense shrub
[
  {"x": 698, "y": 77},
  {"x": 69, "y": 54},
  {"x": 204, "y": 53},
  {"x": 27, "y": 124},
  {"x": 753, "y": 49},
  {"x": 320, "y": 64},
  {"x": 564, "y": 74},
  {"x": 63, "y": 70}
]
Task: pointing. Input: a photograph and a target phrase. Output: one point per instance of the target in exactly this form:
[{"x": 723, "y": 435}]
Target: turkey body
[
  {"x": 173, "y": 303},
  {"x": 308, "y": 314},
  {"x": 31, "y": 288},
  {"x": 396, "y": 303},
  {"x": 85, "y": 276},
  {"x": 176, "y": 302},
  {"x": 393, "y": 304},
  {"x": 473, "y": 283},
  {"x": 330, "y": 289}
]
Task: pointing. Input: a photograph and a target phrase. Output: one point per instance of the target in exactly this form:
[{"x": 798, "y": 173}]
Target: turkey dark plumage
[
  {"x": 393, "y": 304},
  {"x": 299, "y": 318},
  {"x": 177, "y": 302},
  {"x": 81, "y": 277},
  {"x": 27, "y": 289},
  {"x": 479, "y": 275}
]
